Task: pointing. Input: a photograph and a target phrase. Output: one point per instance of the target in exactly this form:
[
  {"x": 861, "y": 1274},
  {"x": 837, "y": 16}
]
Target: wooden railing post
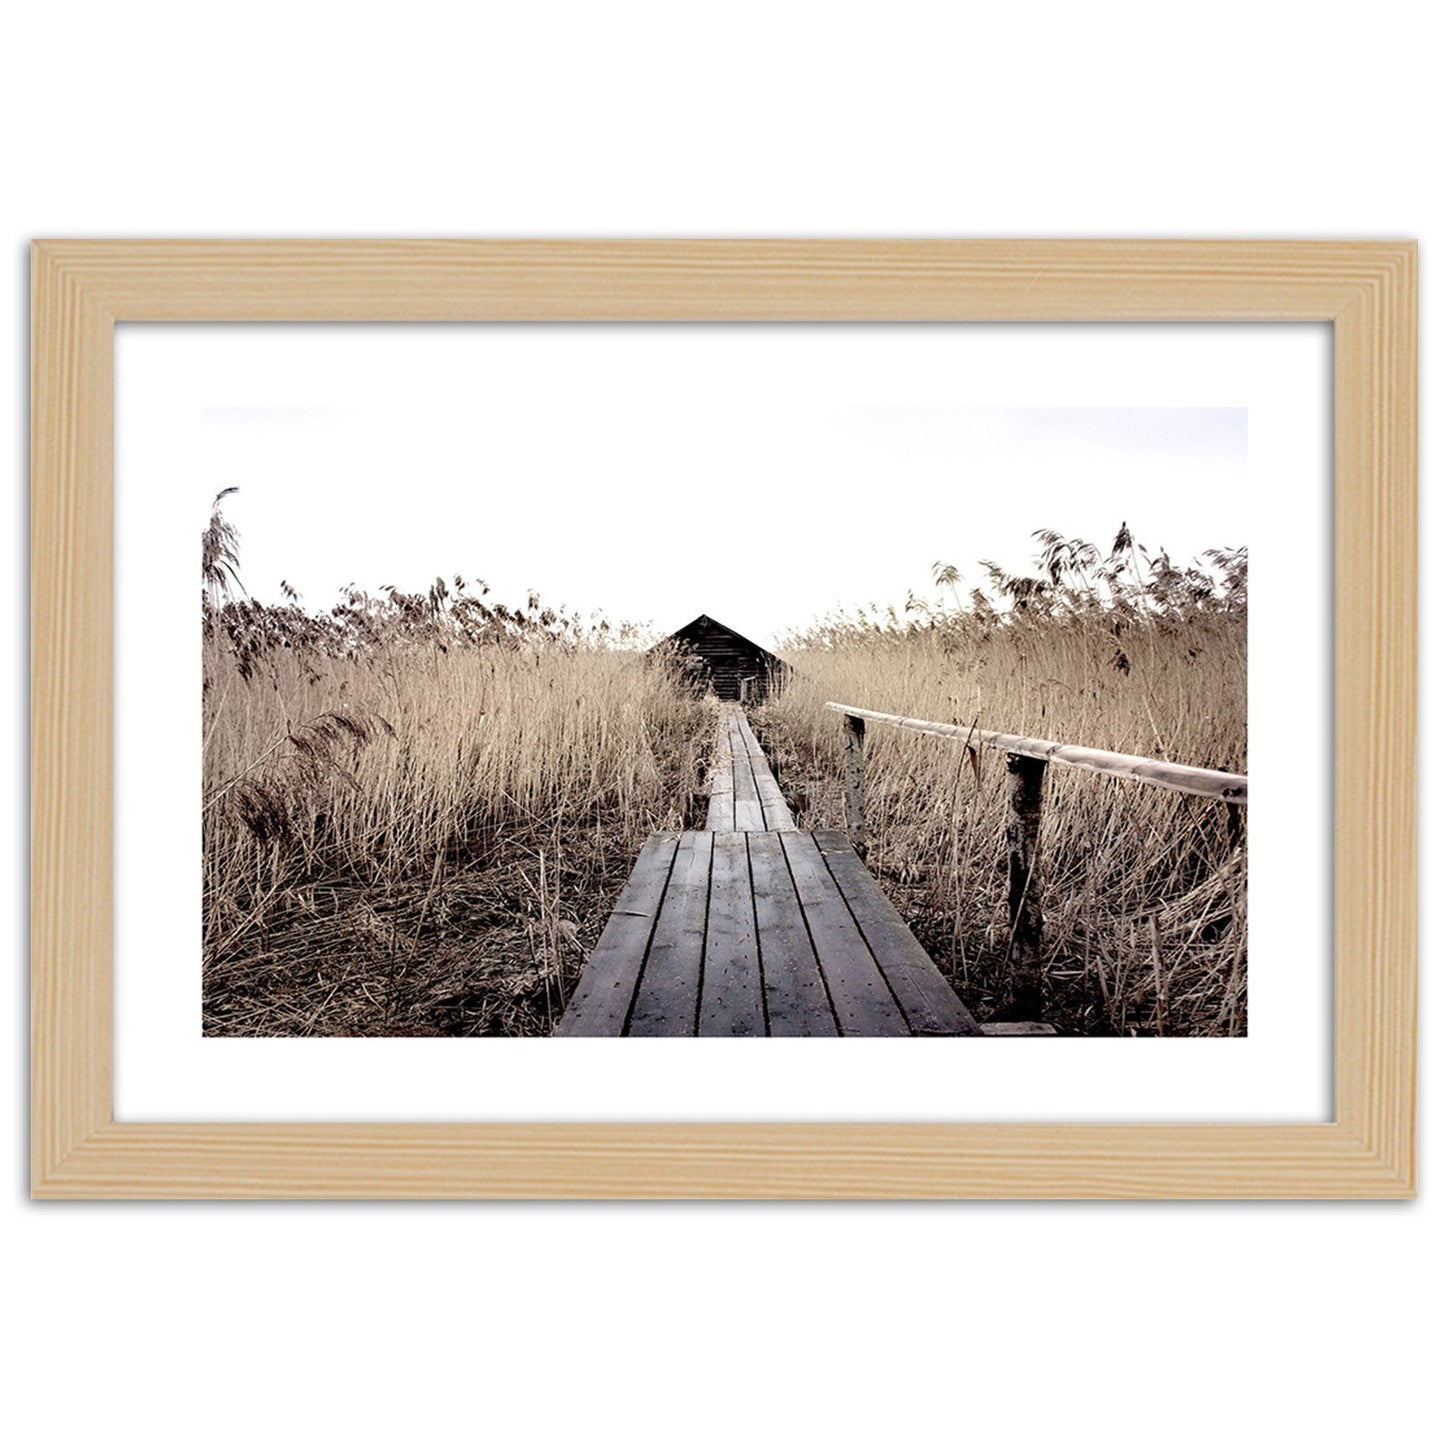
[
  {"x": 853, "y": 783},
  {"x": 1234, "y": 823},
  {"x": 1025, "y": 802},
  {"x": 1027, "y": 759}
]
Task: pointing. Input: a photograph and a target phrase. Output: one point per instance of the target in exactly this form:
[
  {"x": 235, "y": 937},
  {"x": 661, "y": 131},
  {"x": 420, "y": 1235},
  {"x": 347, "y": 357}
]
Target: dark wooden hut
[{"x": 736, "y": 669}]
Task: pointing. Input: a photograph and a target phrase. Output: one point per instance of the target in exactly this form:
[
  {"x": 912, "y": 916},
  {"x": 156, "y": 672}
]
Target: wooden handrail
[
  {"x": 1027, "y": 760},
  {"x": 1202, "y": 782}
]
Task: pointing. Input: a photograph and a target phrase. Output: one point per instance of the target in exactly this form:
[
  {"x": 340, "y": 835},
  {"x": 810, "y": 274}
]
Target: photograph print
[{"x": 711, "y": 681}]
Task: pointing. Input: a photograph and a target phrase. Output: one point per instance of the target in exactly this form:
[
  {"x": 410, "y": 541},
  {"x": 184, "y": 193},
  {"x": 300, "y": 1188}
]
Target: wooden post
[
  {"x": 1234, "y": 823},
  {"x": 1025, "y": 802},
  {"x": 853, "y": 783}
]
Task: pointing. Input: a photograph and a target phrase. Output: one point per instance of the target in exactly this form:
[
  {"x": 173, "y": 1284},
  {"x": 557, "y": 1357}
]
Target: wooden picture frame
[{"x": 1367, "y": 292}]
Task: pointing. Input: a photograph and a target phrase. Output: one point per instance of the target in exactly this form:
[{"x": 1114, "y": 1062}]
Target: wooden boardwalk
[
  {"x": 745, "y": 797},
  {"x": 754, "y": 928}
]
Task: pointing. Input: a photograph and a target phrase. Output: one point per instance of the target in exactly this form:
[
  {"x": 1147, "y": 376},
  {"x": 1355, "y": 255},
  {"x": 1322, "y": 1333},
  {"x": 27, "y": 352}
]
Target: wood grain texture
[
  {"x": 1178, "y": 777},
  {"x": 721, "y": 806},
  {"x": 667, "y": 995},
  {"x": 1366, "y": 290},
  {"x": 862, "y": 1001},
  {"x": 748, "y": 752},
  {"x": 797, "y": 1001},
  {"x": 923, "y": 994},
  {"x": 603, "y": 998},
  {"x": 1376, "y": 451},
  {"x": 720, "y": 1161},
  {"x": 788, "y": 932},
  {"x": 71, "y": 717},
  {"x": 732, "y": 975},
  {"x": 744, "y": 794},
  {"x": 782, "y": 280}
]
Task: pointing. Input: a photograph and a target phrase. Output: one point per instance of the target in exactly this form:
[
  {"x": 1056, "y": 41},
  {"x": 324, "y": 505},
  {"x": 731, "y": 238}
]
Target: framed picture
[{"x": 778, "y": 403}]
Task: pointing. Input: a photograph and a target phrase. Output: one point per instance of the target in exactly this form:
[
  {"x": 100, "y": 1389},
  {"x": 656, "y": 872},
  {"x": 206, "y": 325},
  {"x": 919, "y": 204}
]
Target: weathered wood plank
[
  {"x": 776, "y": 814},
  {"x": 1203, "y": 782},
  {"x": 667, "y": 994},
  {"x": 748, "y": 818},
  {"x": 747, "y": 805},
  {"x": 749, "y": 738},
  {"x": 720, "y": 801},
  {"x": 747, "y": 812},
  {"x": 797, "y": 1001},
  {"x": 861, "y": 1000},
  {"x": 928, "y": 1002},
  {"x": 600, "y": 1002},
  {"x": 742, "y": 758},
  {"x": 732, "y": 983},
  {"x": 745, "y": 795},
  {"x": 1024, "y": 1029}
]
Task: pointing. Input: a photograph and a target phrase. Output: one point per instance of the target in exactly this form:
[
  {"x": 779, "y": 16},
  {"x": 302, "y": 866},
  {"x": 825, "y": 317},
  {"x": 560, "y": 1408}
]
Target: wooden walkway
[
  {"x": 754, "y": 928},
  {"x": 745, "y": 797}
]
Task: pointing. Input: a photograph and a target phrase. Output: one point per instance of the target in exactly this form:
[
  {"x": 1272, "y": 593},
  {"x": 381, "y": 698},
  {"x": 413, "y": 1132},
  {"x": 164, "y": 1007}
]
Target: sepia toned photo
[{"x": 862, "y": 720}]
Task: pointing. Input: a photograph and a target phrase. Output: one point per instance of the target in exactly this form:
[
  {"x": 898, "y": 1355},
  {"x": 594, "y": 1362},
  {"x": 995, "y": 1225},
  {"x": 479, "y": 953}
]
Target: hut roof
[
  {"x": 703, "y": 624},
  {"x": 734, "y": 665}
]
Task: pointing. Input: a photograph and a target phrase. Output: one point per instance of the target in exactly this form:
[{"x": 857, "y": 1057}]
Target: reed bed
[
  {"x": 418, "y": 808},
  {"x": 1143, "y": 891},
  {"x": 417, "y": 813}
]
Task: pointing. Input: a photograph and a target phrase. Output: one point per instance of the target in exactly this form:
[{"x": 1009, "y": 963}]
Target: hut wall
[{"x": 738, "y": 670}]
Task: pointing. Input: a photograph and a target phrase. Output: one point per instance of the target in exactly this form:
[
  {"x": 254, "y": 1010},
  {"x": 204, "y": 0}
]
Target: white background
[{"x": 548, "y": 1322}]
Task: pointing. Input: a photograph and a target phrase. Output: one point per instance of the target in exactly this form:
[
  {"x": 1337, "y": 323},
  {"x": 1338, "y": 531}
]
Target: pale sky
[{"x": 762, "y": 475}]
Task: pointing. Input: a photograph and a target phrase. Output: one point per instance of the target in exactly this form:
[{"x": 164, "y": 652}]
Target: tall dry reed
[
  {"x": 1143, "y": 891},
  {"x": 409, "y": 829}
]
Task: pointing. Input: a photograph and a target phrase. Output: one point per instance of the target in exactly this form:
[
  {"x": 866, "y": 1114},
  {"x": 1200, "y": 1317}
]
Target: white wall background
[{"x": 300, "y": 1323}]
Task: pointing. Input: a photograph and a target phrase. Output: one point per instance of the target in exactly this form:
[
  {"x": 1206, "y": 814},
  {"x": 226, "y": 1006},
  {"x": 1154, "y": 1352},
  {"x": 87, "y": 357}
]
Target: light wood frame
[{"x": 1366, "y": 290}]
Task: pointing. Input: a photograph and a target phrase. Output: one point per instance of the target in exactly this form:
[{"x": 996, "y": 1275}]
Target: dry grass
[
  {"x": 412, "y": 830},
  {"x": 1143, "y": 891}
]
